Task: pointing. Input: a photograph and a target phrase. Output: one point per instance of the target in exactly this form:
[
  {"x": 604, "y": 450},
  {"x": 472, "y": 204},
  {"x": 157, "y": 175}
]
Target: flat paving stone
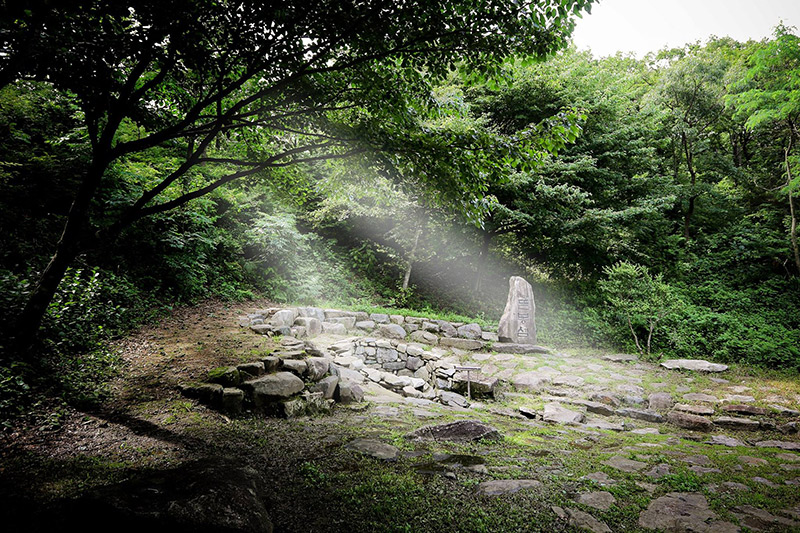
[
  {"x": 631, "y": 389},
  {"x": 660, "y": 401},
  {"x": 783, "y": 445},
  {"x": 626, "y": 465},
  {"x": 784, "y": 411},
  {"x": 458, "y": 431},
  {"x": 599, "y": 423},
  {"x": 724, "y": 440},
  {"x": 640, "y": 414},
  {"x": 498, "y": 487},
  {"x": 767, "y": 482},
  {"x": 738, "y": 398},
  {"x": 744, "y": 409},
  {"x": 752, "y": 461},
  {"x": 601, "y": 478},
  {"x": 374, "y": 448},
  {"x": 658, "y": 471},
  {"x": 645, "y": 431},
  {"x": 700, "y": 397},
  {"x": 762, "y": 520},
  {"x": 701, "y": 410},
  {"x": 700, "y": 460},
  {"x": 787, "y": 457},
  {"x": 694, "y": 364},
  {"x": 568, "y": 381},
  {"x": 620, "y": 358},
  {"x": 683, "y": 512},
  {"x": 727, "y": 487},
  {"x": 689, "y": 421},
  {"x": 586, "y": 522},
  {"x": 697, "y": 469},
  {"x": 554, "y": 412},
  {"x": 744, "y": 424},
  {"x": 600, "y": 500}
]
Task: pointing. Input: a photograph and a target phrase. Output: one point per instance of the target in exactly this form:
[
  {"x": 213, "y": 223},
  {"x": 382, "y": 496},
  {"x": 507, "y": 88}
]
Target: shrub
[{"x": 639, "y": 299}]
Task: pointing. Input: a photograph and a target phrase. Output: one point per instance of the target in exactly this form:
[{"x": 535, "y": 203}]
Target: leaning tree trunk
[
  {"x": 483, "y": 260},
  {"x": 793, "y": 215},
  {"x": 412, "y": 257},
  {"x": 70, "y": 245}
]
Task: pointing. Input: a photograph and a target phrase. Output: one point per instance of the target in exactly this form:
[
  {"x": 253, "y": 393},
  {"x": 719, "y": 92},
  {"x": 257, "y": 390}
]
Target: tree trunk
[
  {"x": 30, "y": 320},
  {"x": 693, "y": 176},
  {"x": 483, "y": 260},
  {"x": 412, "y": 257},
  {"x": 793, "y": 215},
  {"x": 635, "y": 337},
  {"x": 70, "y": 245}
]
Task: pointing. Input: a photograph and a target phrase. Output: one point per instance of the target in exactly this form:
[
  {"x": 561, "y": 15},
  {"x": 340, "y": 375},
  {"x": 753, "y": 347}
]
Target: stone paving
[
  {"x": 685, "y": 445},
  {"x": 678, "y": 424}
]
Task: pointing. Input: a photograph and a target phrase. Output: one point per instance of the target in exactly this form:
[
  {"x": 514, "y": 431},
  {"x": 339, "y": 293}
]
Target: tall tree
[
  {"x": 692, "y": 91},
  {"x": 291, "y": 82},
  {"x": 769, "y": 96}
]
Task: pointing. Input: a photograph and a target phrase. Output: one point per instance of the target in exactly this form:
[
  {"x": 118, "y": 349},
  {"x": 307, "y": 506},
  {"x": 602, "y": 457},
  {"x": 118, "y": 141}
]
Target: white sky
[{"x": 642, "y": 26}]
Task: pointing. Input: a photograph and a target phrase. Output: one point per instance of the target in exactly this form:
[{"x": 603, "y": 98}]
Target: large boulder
[
  {"x": 327, "y": 386},
  {"x": 391, "y": 331},
  {"x": 311, "y": 312},
  {"x": 283, "y": 318},
  {"x": 227, "y": 376},
  {"x": 349, "y": 322},
  {"x": 334, "y": 328},
  {"x": 470, "y": 331},
  {"x": 348, "y": 392},
  {"x": 312, "y": 325},
  {"x": 232, "y": 400},
  {"x": 272, "y": 386},
  {"x": 425, "y": 337},
  {"x": 453, "y": 399},
  {"x": 298, "y": 366},
  {"x": 208, "y": 393},
  {"x": 446, "y": 328},
  {"x": 250, "y": 370},
  {"x": 479, "y": 384},
  {"x": 317, "y": 367}
]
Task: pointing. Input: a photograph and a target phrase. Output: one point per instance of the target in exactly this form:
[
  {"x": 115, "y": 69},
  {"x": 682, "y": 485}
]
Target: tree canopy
[{"x": 278, "y": 83}]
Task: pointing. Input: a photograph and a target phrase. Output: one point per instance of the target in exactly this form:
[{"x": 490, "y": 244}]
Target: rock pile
[{"x": 292, "y": 383}]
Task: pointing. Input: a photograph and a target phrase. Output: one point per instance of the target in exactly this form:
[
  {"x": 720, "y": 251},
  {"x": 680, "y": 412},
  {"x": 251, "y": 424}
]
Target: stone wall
[
  {"x": 413, "y": 356},
  {"x": 309, "y": 322}
]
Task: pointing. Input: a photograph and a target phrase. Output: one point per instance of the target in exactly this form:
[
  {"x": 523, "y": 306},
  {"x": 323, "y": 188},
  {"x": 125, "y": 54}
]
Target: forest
[
  {"x": 650, "y": 201},
  {"x": 254, "y": 259}
]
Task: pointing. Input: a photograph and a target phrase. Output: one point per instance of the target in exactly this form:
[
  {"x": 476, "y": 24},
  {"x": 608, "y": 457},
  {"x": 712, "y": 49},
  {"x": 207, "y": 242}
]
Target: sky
[{"x": 642, "y": 26}]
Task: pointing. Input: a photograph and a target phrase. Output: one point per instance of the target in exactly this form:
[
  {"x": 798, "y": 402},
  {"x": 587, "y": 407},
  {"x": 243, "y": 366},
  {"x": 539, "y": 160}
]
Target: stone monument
[{"x": 518, "y": 323}]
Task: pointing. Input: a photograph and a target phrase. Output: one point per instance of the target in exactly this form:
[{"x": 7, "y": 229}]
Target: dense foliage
[{"x": 652, "y": 202}]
